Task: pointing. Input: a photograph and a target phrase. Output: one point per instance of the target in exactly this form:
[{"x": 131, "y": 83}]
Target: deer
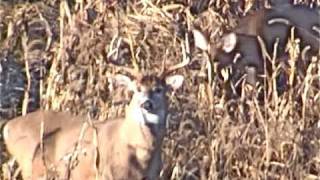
[
  {"x": 49, "y": 144},
  {"x": 240, "y": 49}
]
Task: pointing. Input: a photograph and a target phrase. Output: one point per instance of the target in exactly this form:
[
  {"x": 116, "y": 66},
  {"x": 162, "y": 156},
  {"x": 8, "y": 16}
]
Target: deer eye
[{"x": 158, "y": 90}]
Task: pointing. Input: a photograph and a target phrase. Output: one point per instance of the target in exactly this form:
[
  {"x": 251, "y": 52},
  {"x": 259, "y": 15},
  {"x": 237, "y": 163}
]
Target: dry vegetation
[{"x": 70, "y": 49}]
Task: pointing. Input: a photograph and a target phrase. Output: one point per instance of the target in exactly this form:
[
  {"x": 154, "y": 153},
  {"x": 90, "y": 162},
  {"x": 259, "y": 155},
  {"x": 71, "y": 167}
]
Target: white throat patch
[
  {"x": 142, "y": 116},
  {"x": 152, "y": 118}
]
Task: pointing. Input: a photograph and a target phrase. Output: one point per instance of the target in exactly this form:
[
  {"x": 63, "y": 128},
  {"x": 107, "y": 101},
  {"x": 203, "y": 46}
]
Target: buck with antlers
[{"x": 49, "y": 144}]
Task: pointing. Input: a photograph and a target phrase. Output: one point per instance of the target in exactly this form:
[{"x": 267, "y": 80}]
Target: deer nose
[{"x": 147, "y": 105}]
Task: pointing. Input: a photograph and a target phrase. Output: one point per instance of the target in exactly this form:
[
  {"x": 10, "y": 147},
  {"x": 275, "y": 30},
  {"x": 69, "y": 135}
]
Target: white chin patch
[
  {"x": 138, "y": 114},
  {"x": 150, "y": 118},
  {"x": 142, "y": 116}
]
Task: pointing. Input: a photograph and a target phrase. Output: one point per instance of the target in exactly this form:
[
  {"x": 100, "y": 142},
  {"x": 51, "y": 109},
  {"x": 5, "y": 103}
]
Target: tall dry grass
[{"x": 83, "y": 42}]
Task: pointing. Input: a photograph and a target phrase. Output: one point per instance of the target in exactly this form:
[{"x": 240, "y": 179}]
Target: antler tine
[
  {"x": 165, "y": 71},
  {"x": 178, "y": 66},
  {"x": 185, "y": 61},
  {"x": 133, "y": 72},
  {"x": 163, "y": 67}
]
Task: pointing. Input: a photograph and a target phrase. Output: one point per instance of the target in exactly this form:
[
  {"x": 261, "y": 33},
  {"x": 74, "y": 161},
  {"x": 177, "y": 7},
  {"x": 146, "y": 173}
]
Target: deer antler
[
  {"x": 185, "y": 61},
  {"x": 165, "y": 71},
  {"x": 133, "y": 72}
]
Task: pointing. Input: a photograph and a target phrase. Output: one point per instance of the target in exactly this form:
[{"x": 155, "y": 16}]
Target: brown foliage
[{"x": 82, "y": 43}]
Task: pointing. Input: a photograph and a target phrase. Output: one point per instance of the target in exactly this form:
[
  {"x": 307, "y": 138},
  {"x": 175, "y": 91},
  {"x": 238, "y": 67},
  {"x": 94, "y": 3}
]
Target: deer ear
[
  {"x": 200, "y": 40},
  {"x": 123, "y": 80},
  {"x": 229, "y": 42},
  {"x": 174, "y": 81}
]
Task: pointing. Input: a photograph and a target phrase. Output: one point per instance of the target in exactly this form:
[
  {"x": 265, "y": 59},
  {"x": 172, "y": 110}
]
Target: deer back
[{"x": 277, "y": 22}]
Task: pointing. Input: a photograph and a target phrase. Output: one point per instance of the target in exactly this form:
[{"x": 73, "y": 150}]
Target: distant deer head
[{"x": 240, "y": 51}]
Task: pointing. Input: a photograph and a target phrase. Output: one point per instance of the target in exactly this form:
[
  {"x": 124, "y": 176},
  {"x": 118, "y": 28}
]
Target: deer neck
[{"x": 138, "y": 132}]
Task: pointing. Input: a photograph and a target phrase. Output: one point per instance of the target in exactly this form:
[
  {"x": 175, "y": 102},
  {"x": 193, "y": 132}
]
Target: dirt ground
[{"x": 62, "y": 54}]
